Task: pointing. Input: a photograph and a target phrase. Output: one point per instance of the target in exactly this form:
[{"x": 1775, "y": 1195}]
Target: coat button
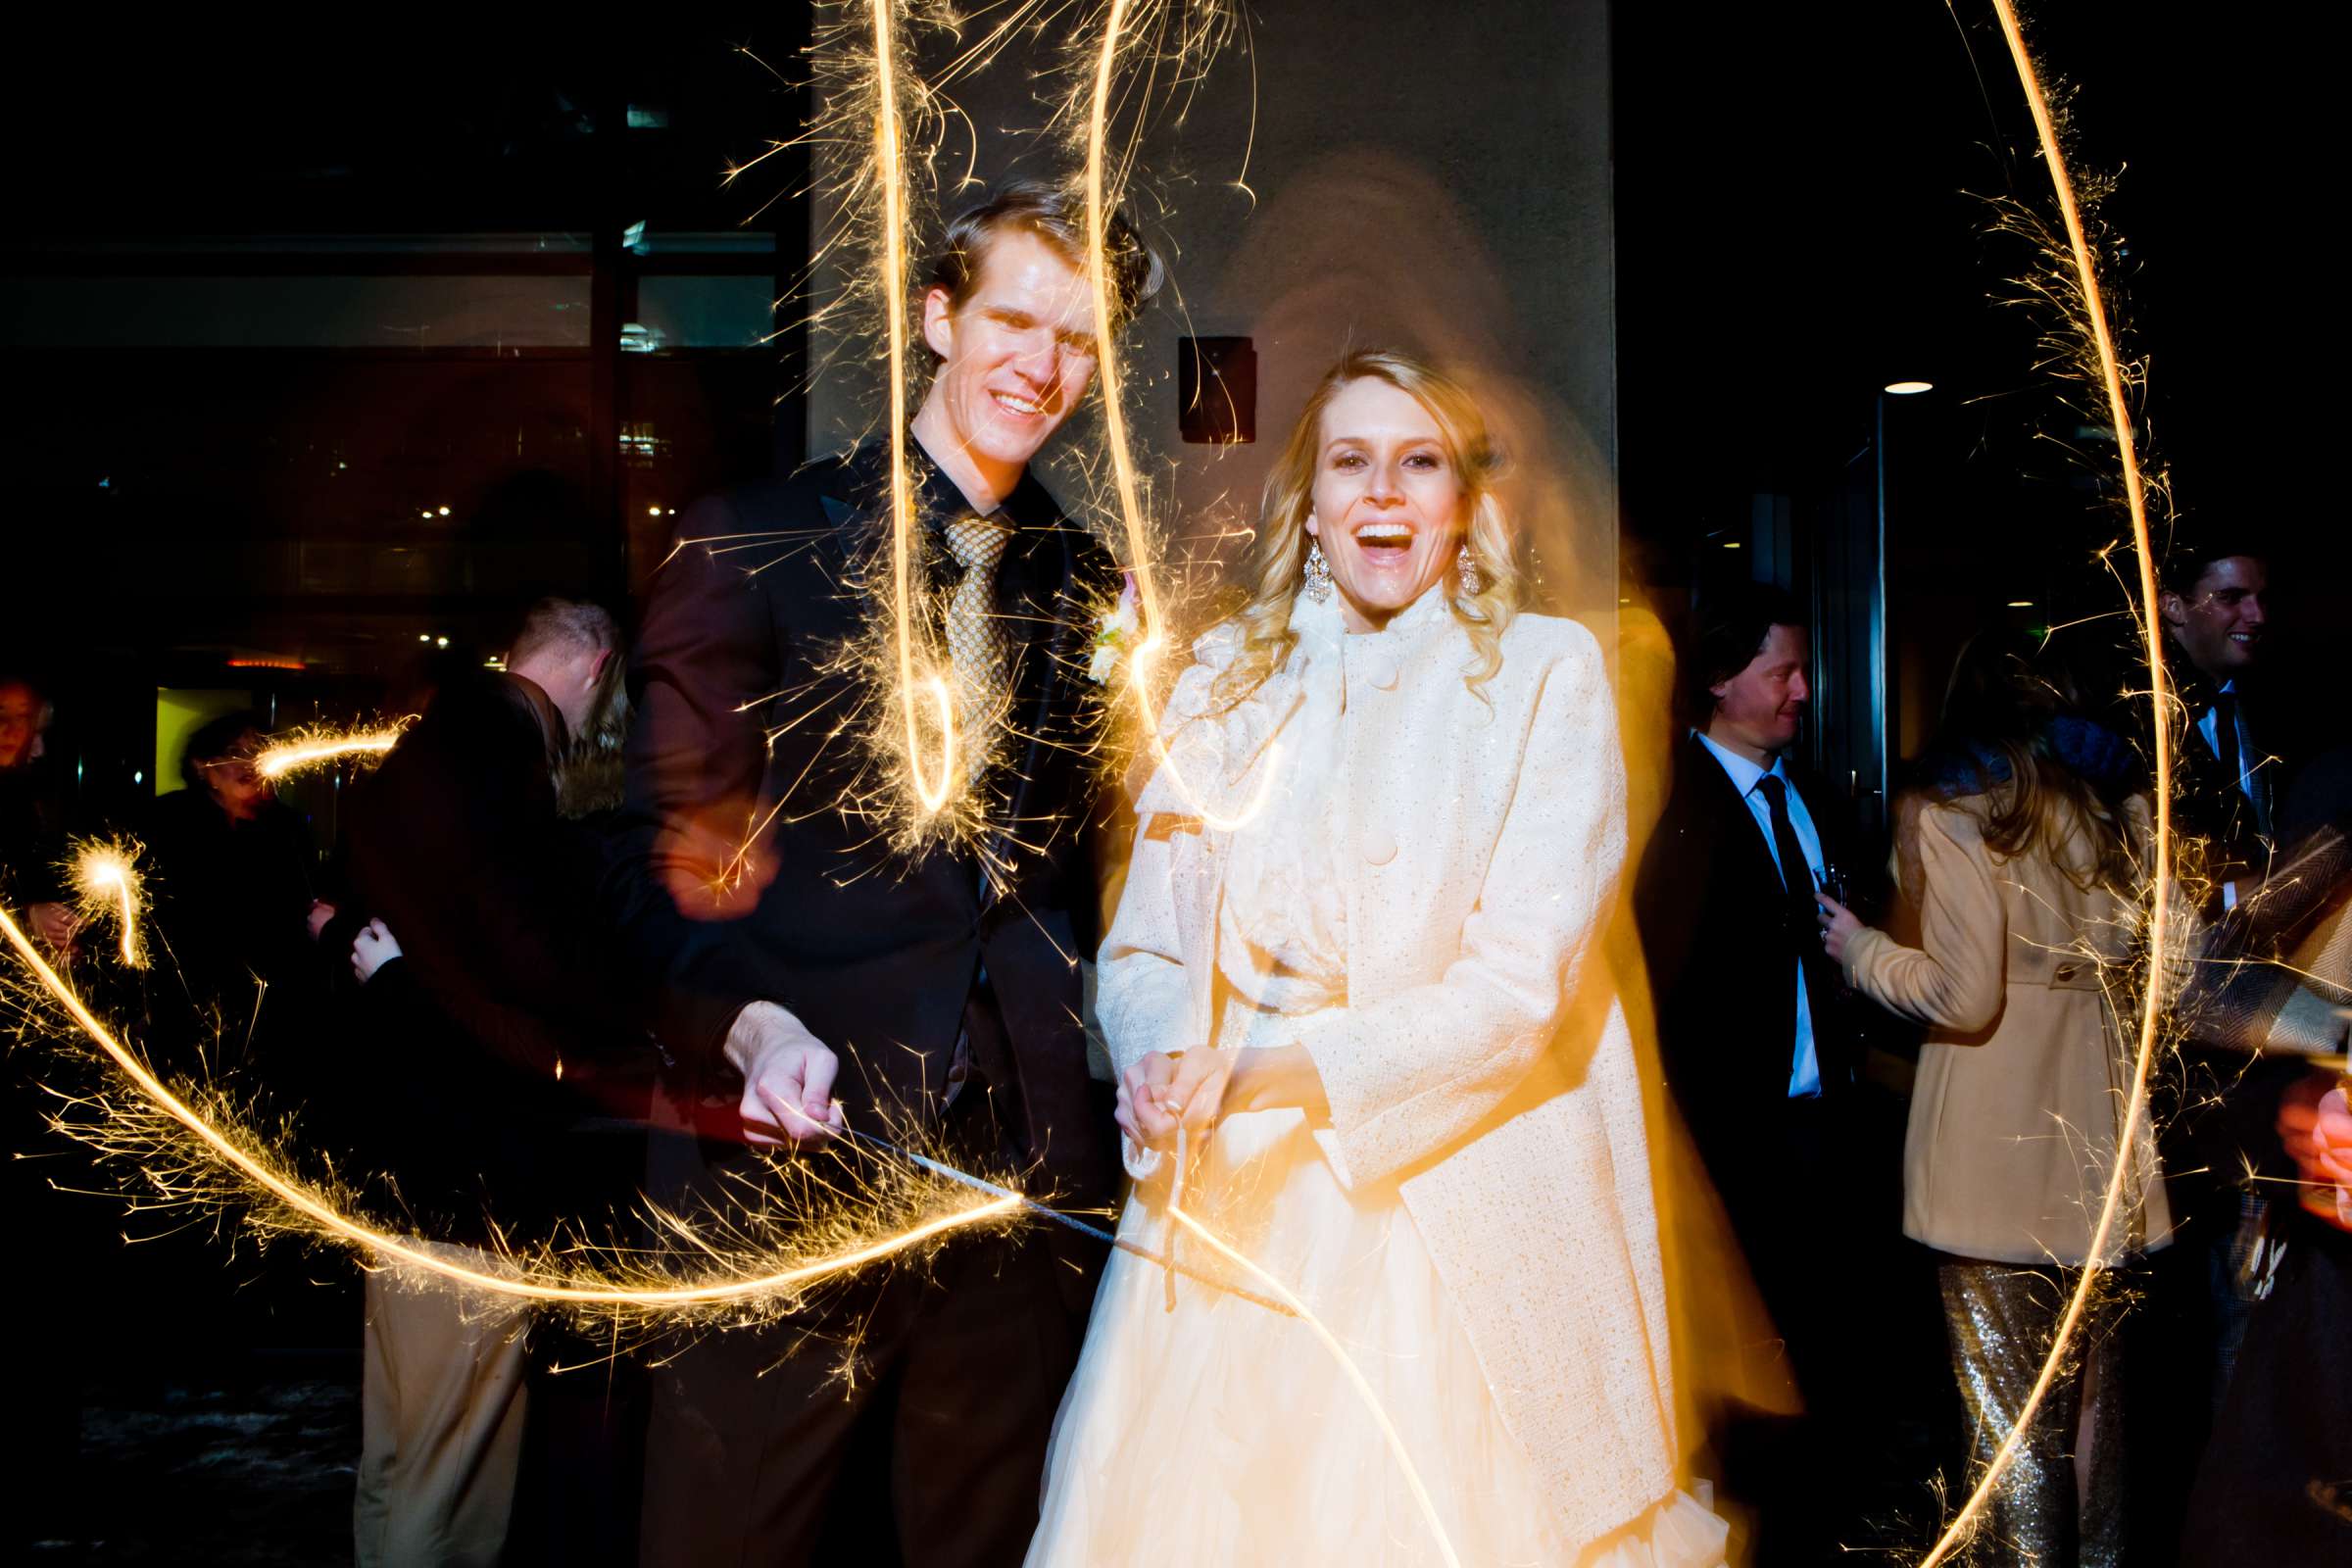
[
  {"x": 1382, "y": 673},
  {"x": 1379, "y": 848}
]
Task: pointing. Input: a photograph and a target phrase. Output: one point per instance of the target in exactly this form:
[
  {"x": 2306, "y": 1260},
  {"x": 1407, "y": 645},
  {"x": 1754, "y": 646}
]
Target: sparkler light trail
[
  {"x": 889, "y": 156},
  {"x": 237, "y": 1152},
  {"x": 310, "y": 748},
  {"x": 1125, "y": 488},
  {"x": 1338, "y": 1354},
  {"x": 2090, "y": 302},
  {"x": 110, "y": 887}
]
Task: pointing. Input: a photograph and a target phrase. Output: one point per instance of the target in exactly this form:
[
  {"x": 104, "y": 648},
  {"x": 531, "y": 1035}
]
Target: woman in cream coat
[
  {"x": 1347, "y": 964},
  {"x": 2019, "y": 856}
]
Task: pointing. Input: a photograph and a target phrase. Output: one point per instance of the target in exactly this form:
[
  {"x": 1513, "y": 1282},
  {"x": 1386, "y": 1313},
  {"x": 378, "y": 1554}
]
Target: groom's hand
[{"x": 787, "y": 1078}]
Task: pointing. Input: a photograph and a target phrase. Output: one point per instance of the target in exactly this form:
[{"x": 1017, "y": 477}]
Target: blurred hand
[
  {"x": 2316, "y": 1129},
  {"x": 787, "y": 1078},
  {"x": 53, "y": 925},
  {"x": 1838, "y": 926},
  {"x": 321, "y": 913},
  {"x": 371, "y": 949}
]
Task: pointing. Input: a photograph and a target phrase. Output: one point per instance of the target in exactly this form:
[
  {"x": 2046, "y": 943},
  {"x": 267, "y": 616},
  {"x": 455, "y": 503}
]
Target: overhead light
[
  {"x": 2020, "y": 604},
  {"x": 654, "y": 510},
  {"x": 445, "y": 511},
  {"x": 1904, "y": 389},
  {"x": 440, "y": 642},
  {"x": 1731, "y": 544},
  {"x": 427, "y": 513},
  {"x": 425, "y": 636}
]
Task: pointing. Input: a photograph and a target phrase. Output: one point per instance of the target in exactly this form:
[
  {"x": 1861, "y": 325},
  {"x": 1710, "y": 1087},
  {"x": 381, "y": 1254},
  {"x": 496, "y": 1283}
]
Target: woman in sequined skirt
[{"x": 2013, "y": 852}]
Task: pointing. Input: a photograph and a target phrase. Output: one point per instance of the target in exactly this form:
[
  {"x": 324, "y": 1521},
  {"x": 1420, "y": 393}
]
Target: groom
[{"x": 816, "y": 976}]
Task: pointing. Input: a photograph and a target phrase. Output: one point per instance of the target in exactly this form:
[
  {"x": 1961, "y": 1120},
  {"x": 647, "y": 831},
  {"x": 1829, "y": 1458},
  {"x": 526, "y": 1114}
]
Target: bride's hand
[{"x": 1163, "y": 1088}]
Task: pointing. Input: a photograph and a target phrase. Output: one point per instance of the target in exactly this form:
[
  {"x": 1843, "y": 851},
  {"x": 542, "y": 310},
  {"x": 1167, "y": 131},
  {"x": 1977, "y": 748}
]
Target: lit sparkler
[
  {"x": 2088, "y": 311},
  {"x": 109, "y": 886},
  {"x": 192, "y": 1151},
  {"x": 311, "y": 746}
]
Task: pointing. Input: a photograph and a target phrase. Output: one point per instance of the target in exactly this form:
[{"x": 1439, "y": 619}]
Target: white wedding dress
[{"x": 1220, "y": 1432}]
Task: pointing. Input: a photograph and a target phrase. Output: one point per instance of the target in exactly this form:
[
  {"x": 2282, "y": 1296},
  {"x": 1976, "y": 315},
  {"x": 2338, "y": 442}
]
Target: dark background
[{"x": 1800, "y": 219}]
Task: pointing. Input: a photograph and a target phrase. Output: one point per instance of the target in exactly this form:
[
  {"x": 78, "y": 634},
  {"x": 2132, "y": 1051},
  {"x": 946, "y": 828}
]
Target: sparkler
[
  {"x": 109, "y": 885},
  {"x": 2090, "y": 312},
  {"x": 749, "y": 1282},
  {"x": 309, "y": 747}
]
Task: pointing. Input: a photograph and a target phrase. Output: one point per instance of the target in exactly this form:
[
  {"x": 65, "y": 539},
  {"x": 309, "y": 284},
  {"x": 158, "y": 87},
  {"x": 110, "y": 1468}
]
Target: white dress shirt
[{"x": 1804, "y": 1071}]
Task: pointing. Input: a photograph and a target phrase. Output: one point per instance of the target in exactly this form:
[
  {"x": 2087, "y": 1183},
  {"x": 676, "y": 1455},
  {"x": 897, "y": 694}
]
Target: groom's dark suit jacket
[{"x": 749, "y": 714}]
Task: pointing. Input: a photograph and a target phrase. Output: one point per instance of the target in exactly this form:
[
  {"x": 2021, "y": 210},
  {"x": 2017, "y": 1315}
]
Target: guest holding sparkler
[
  {"x": 1347, "y": 989},
  {"x": 232, "y": 870},
  {"x": 2018, "y": 853}
]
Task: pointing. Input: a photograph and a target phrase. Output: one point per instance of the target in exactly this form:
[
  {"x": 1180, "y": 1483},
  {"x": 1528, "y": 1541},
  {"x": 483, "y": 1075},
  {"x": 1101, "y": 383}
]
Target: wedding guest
[
  {"x": 1759, "y": 1054},
  {"x": 492, "y": 1031},
  {"x": 32, "y": 819},
  {"x": 2019, "y": 854}
]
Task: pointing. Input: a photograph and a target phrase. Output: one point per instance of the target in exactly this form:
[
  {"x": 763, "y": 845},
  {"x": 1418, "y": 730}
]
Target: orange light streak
[
  {"x": 526, "y": 1283},
  {"x": 1338, "y": 1354},
  {"x": 889, "y": 155},
  {"x": 108, "y": 881},
  {"x": 1122, "y": 461},
  {"x": 276, "y": 761},
  {"x": 2095, "y": 315}
]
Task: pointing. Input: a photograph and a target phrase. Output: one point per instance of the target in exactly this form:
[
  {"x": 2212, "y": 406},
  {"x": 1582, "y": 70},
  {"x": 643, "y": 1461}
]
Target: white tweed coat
[{"x": 1473, "y": 1072}]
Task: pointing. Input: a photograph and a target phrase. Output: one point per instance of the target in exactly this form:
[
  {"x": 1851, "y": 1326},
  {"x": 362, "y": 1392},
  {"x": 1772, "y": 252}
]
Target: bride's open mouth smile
[{"x": 1383, "y": 543}]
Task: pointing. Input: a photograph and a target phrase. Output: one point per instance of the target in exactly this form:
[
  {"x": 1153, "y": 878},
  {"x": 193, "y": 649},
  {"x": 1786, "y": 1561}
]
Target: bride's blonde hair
[{"x": 1270, "y": 575}]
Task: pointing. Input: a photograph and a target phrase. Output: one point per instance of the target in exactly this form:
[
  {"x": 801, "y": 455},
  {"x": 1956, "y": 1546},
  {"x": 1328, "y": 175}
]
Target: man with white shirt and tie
[
  {"x": 2216, "y": 622},
  {"x": 1751, "y": 1029},
  {"x": 2217, "y": 1136}
]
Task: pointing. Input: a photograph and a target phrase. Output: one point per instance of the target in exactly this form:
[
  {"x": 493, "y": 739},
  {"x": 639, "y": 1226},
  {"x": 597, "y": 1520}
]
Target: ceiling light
[
  {"x": 1904, "y": 389},
  {"x": 2020, "y": 604},
  {"x": 1731, "y": 544}
]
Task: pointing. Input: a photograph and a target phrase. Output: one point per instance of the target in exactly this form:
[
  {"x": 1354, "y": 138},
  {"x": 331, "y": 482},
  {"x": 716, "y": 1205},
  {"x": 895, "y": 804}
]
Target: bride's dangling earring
[
  {"x": 1317, "y": 583},
  {"x": 1465, "y": 569}
]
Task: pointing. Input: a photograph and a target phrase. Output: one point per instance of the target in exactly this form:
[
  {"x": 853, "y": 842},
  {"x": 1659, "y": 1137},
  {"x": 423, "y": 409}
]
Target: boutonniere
[{"x": 1116, "y": 631}]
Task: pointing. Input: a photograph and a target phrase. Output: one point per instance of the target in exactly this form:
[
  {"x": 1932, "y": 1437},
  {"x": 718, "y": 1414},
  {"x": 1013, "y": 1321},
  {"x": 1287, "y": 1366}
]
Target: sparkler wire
[{"x": 2094, "y": 317}]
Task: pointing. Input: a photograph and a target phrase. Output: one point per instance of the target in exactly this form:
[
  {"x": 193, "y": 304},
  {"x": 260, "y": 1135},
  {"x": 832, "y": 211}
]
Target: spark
[
  {"x": 109, "y": 885},
  {"x": 2089, "y": 311},
  {"x": 1347, "y": 1367},
  {"x": 309, "y": 747},
  {"x": 229, "y": 1149}
]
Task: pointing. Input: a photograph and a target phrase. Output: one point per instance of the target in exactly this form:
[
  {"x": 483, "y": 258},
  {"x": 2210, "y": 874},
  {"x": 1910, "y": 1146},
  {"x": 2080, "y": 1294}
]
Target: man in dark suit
[
  {"x": 493, "y": 1065},
  {"x": 813, "y": 966},
  {"x": 1750, "y": 1026},
  {"x": 2234, "y": 765}
]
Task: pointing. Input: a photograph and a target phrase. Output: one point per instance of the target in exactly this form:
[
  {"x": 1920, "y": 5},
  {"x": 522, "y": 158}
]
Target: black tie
[
  {"x": 1803, "y": 916},
  {"x": 2233, "y": 763}
]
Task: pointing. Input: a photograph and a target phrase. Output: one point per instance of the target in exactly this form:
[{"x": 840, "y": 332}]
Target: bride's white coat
[{"x": 1479, "y": 1062}]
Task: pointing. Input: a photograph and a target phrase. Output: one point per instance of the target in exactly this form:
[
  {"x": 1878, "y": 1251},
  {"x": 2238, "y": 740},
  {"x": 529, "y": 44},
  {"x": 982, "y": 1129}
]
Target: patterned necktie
[{"x": 976, "y": 640}]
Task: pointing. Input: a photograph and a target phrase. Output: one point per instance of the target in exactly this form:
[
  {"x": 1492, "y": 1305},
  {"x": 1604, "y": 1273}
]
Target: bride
[{"x": 1347, "y": 964}]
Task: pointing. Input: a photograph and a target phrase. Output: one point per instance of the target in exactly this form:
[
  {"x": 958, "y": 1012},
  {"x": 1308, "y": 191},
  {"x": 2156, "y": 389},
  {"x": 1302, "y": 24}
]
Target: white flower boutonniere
[{"x": 1115, "y": 633}]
